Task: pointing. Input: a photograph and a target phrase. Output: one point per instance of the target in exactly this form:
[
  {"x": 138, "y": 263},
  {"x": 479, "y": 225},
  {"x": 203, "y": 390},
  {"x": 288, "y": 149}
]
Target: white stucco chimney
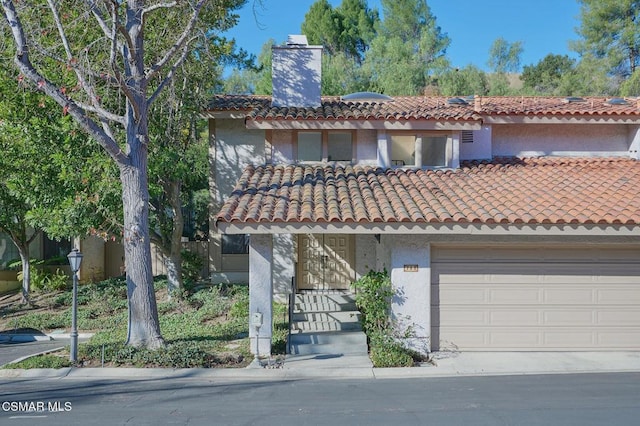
[{"x": 296, "y": 73}]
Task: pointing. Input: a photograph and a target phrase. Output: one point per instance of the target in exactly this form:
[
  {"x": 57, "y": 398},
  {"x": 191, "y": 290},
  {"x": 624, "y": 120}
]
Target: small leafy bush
[
  {"x": 373, "y": 298},
  {"x": 192, "y": 264},
  {"x": 41, "y": 279},
  {"x": 388, "y": 352}
]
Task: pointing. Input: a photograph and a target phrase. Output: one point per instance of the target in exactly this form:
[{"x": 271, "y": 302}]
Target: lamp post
[{"x": 75, "y": 259}]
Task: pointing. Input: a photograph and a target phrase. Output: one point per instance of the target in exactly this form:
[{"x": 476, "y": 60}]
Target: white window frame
[
  {"x": 325, "y": 146},
  {"x": 452, "y": 156}
]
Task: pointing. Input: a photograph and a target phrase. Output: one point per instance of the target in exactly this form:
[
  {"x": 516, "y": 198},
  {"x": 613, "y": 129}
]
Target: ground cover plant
[{"x": 207, "y": 327}]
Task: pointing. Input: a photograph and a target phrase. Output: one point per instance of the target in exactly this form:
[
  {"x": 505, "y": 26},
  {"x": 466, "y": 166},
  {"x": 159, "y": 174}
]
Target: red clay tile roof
[
  {"x": 424, "y": 108},
  {"x": 553, "y": 190}
]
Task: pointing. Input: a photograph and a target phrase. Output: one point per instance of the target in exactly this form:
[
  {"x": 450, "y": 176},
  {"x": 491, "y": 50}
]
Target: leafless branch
[
  {"x": 88, "y": 89},
  {"x": 170, "y": 74},
  {"x": 158, "y": 6},
  {"x": 180, "y": 42},
  {"x": 23, "y": 62},
  {"x": 97, "y": 14}
]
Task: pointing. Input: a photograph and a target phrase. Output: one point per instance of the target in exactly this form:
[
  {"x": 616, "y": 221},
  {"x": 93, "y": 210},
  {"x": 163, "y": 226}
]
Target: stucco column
[
  {"x": 384, "y": 149},
  {"x": 411, "y": 278},
  {"x": 261, "y": 292}
]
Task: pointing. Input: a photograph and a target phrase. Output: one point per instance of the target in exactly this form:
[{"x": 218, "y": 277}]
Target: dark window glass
[{"x": 235, "y": 244}]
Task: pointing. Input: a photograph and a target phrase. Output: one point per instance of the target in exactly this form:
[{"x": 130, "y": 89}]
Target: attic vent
[
  {"x": 573, "y": 99},
  {"x": 617, "y": 101},
  {"x": 366, "y": 96},
  {"x": 456, "y": 101},
  {"x": 466, "y": 136}
]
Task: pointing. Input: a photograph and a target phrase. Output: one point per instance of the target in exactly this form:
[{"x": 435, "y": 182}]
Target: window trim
[
  {"x": 325, "y": 146},
  {"x": 450, "y": 150}
]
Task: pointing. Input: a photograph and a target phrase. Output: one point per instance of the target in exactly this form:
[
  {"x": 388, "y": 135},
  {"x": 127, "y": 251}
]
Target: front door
[{"x": 325, "y": 261}]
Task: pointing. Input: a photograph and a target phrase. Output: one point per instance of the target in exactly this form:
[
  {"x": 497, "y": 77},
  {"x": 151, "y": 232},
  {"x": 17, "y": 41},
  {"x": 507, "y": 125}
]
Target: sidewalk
[{"x": 339, "y": 367}]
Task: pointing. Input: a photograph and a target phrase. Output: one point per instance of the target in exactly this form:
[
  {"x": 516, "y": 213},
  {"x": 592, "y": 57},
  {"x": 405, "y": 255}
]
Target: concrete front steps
[{"x": 327, "y": 324}]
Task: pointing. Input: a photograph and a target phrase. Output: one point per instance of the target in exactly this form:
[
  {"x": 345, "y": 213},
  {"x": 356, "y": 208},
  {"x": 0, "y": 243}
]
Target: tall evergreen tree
[
  {"x": 610, "y": 31},
  {"x": 408, "y": 49}
]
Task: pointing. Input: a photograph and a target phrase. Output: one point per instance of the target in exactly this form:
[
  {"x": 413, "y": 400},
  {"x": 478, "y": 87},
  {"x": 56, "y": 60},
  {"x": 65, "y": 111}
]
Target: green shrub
[
  {"x": 192, "y": 264},
  {"x": 386, "y": 351},
  {"x": 373, "y": 298},
  {"x": 41, "y": 279}
]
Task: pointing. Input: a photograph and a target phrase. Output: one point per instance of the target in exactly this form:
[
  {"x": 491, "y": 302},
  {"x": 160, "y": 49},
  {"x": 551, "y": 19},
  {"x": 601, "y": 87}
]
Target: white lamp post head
[{"x": 75, "y": 259}]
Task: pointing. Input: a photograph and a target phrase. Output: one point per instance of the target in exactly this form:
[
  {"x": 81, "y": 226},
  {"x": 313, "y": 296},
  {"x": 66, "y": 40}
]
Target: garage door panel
[
  {"x": 512, "y": 295},
  {"x": 455, "y": 317},
  {"x": 619, "y": 295},
  {"x": 462, "y": 295},
  {"x": 513, "y": 317},
  {"x": 619, "y": 338},
  {"x": 618, "y": 317},
  {"x": 569, "y": 294},
  {"x": 568, "y": 339},
  {"x": 568, "y": 316},
  {"x": 576, "y": 299},
  {"x": 518, "y": 339}
]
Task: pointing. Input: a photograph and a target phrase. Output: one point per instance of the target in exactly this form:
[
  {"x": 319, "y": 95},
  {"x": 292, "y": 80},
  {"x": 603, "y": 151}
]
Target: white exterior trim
[
  {"x": 362, "y": 124},
  {"x": 586, "y": 119},
  {"x": 427, "y": 228}
]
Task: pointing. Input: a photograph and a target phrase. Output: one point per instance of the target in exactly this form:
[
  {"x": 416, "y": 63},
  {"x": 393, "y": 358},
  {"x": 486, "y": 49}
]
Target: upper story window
[
  {"x": 421, "y": 150},
  {"x": 317, "y": 146}
]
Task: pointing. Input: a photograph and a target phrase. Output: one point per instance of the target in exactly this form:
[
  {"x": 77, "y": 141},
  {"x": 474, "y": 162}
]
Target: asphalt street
[
  {"x": 563, "y": 399},
  {"x": 10, "y": 351}
]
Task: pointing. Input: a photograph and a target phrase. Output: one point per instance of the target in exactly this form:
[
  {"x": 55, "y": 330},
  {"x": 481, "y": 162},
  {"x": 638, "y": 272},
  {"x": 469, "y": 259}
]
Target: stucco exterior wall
[
  {"x": 527, "y": 140},
  {"x": 366, "y": 245},
  {"x": 236, "y": 148},
  {"x": 480, "y": 148},
  {"x": 282, "y": 145},
  {"x": 92, "y": 268},
  {"x": 367, "y": 147},
  {"x": 284, "y": 255},
  {"x": 411, "y": 279}
]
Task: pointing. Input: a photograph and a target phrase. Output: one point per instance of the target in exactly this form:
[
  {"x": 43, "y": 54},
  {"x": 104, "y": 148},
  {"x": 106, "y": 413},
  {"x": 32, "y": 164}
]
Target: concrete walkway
[
  {"x": 449, "y": 364},
  {"x": 442, "y": 364}
]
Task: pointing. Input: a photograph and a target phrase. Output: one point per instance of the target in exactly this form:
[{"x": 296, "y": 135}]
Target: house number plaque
[{"x": 410, "y": 268}]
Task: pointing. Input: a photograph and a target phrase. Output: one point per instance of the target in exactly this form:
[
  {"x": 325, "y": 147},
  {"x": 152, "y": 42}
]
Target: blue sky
[{"x": 543, "y": 26}]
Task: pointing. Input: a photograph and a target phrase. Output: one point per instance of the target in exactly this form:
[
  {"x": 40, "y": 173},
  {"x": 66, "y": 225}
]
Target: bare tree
[{"x": 92, "y": 58}]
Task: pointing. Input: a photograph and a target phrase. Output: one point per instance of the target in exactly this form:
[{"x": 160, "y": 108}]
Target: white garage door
[{"x": 524, "y": 298}]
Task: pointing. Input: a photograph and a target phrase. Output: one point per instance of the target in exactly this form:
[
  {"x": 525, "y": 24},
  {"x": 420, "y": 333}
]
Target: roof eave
[
  {"x": 364, "y": 124},
  {"x": 591, "y": 230}
]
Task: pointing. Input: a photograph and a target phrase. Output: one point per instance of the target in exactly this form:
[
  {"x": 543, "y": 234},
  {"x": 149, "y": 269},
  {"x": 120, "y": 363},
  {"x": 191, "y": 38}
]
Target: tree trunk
[
  {"x": 23, "y": 250},
  {"x": 173, "y": 265},
  {"x": 173, "y": 262},
  {"x": 144, "y": 326}
]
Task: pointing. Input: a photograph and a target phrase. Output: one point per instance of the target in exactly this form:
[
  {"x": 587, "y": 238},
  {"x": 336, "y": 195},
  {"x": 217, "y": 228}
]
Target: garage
[{"x": 535, "y": 297}]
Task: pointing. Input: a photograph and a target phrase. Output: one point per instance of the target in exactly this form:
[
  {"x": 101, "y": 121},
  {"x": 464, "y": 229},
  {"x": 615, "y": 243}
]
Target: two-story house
[{"x": 506, "y": 223}]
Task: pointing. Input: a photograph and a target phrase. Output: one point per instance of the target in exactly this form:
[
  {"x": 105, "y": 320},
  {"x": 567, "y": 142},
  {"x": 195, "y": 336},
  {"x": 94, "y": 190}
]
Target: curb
[
  {"x": 109, "y": 373},
  {"x": 24, "y": 338}
]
